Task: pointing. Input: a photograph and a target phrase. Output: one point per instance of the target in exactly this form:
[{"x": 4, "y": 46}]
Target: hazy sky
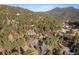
[{"x": 44, "y": 7}]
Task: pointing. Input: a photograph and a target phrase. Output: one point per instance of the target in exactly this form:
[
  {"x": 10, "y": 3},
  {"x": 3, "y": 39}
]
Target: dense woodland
[{"x": 24, "y": 32}]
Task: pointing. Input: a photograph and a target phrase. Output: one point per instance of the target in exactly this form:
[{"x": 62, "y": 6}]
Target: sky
[{"x": 43, "y": 7}]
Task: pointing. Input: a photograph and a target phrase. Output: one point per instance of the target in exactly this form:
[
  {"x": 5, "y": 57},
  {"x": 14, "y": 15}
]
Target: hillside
[
  {"x": 35, "y": 33},
  {"x": 65, "y": 12}
]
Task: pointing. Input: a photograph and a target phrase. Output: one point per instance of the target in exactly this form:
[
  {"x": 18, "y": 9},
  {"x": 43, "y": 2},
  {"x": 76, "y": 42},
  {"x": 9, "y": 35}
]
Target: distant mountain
[{"x": 65, "y": 12}]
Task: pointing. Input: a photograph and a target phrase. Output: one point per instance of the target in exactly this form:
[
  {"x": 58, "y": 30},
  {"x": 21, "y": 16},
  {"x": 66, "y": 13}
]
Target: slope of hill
[
  {"x": 34, "y": 33},
  {"x": 65, "y": 12}
]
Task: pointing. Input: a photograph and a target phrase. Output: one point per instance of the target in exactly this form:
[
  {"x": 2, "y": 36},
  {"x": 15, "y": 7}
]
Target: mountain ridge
[{"x": 65, "y": 12}]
